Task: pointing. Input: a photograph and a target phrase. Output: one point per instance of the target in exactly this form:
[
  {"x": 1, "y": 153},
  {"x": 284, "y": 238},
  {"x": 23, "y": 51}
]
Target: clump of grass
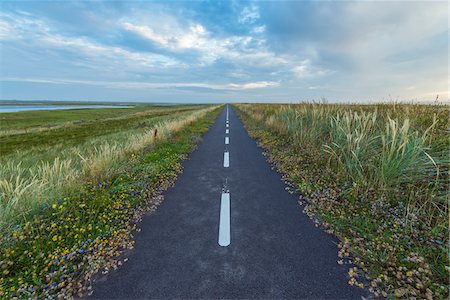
[{"x": 376, "y": 176}]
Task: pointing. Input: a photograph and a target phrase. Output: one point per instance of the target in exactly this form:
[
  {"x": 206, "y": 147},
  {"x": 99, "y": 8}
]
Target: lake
[{"x": 14, "y": 108}]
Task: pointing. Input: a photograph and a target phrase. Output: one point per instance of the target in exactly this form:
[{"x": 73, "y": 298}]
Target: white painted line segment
[
  {"x": 227, "y": 112},
  {"x": 227, "y": 140},
  {"x": 226, "y": 159},
  {"x": 227, "y": 125},
  {"x": 224, "y": 223},
  {"x": 227, "y": 130}
]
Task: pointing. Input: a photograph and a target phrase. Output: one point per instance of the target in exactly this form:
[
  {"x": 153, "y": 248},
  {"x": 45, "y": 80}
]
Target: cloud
[
  {"x": 258, "y": 29},
  {"x": 147, "y": 33},
  {"x": 249, "y": 15},
  {"x": 186, "y": 47},
  {"x": 264, "y": 50},
  {"x": 305, "y": 69},
  {"x": 149, "y": 85},
  {"x": 38, "y": 33},
  {"x": 193, "y": 38},
  {"x": 253, "y": 85},
  {"x": 15, "y": 26},
  {"x": 92, "y": 49},
  {"x": 238, "y": 49},
  {"x": 6, "y": 30},
  {"x": 367, "y": 48}
]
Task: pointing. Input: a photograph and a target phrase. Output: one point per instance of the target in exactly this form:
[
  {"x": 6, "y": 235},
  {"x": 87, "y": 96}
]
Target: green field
[
  {"x": 377, "y": 176},
  {"x": 45, "y": 154},
  {"x": 42, "y": 129}
]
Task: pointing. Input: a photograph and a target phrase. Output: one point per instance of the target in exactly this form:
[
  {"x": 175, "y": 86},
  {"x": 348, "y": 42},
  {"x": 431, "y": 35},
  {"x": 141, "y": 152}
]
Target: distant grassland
[
  {"x": 45, "y": 128},
  {"x": 25, "y": 120},
  {"x": 45, "y": 154},
  {"x": 377, "y": 176}
]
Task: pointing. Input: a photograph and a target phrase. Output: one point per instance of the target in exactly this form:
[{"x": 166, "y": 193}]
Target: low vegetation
[
  {"x": 70, "y": 234},
  {"x": 45, "y": 154},
  {"x": 374, "y": 175}
]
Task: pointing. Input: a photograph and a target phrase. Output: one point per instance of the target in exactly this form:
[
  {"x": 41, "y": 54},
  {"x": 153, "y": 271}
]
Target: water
[{"x": 12, "y": 108}]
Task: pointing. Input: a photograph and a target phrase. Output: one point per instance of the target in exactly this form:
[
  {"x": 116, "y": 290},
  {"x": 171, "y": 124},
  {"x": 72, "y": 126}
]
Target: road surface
[{"x": 228, "y": 229}]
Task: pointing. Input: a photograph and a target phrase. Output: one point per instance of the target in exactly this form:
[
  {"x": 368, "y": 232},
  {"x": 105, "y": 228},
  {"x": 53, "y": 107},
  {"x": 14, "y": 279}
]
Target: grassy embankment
[
  {"x": 44, "y": 154},
  {"x": 75, "y": 224},
  {"x": 375, "y": 176}
]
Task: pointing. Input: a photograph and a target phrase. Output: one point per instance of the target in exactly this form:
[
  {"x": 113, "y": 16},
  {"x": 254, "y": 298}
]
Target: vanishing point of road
[{"x": 229, "y": 230}]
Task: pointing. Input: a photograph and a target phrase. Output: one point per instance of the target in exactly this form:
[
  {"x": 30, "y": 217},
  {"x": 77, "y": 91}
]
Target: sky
[{"x": 224, "y": 51}]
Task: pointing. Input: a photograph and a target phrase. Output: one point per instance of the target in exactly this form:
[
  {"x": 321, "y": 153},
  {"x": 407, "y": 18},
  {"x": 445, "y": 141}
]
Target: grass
[
  {"x": 36, "y": 129},
  {"x": 48, "y": 163},
  {"x": 47, "y": 119},
  {"x": 377, "y": 177},
  {"x": 57, "y": 248}
]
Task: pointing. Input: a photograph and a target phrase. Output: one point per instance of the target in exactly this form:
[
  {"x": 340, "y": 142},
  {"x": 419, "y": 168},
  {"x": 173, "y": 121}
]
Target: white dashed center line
[
  {"x": 224, "y": 223},
  {"x": 226, "y": 159}
]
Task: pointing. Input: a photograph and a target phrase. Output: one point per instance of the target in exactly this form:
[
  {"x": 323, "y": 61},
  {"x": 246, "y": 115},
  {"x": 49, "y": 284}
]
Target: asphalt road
[{"x": 273, "y": 249}]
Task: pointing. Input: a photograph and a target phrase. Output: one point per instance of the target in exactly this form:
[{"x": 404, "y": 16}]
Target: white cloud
[
  {"x": 6, "y": 30},
  {"x": 242, "y": 50},
  {"x": 13, "y": 27},
  {"x": 113, "y": 53},
  {"x": 31, "y": 30},
  {"x": 249, "y": 15},
  {"x": 259, "y": 29},
  {"x": 147, "y": 85},
  {"x": 305, "y": 69},
  {"x": 254, "y": 85},
  {"x": 370, "y": 32},
  {"x": 176, "y": 39},
  {"x": 392, "y": 45},
  {"x": 147, "y": 33},
  {"x": 373, "y": 48}
]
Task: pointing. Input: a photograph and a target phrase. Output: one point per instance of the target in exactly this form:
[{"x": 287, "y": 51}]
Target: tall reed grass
[{"x": 374, "y": 147}]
